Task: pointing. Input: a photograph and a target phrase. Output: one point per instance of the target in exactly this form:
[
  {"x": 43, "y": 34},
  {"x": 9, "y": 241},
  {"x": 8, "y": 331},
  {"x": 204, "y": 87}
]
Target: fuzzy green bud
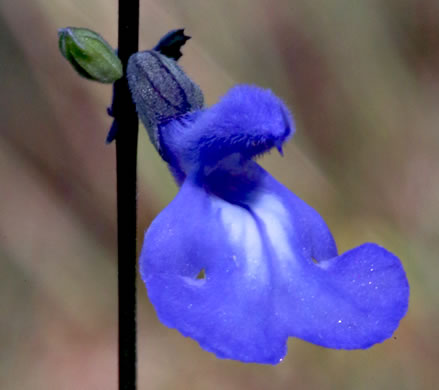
[{"x": 90, "y": 54}]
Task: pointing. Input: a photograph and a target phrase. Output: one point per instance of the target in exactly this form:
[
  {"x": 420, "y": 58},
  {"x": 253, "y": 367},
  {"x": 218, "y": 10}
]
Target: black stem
[{"x": 126, "y": 169}]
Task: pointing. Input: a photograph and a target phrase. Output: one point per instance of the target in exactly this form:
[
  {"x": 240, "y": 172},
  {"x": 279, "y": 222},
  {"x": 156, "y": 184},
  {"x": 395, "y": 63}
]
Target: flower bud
[{"x": 90, "y": 55}]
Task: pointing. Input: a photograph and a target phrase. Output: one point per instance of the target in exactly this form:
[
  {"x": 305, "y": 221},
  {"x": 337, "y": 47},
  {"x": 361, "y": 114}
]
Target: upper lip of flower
[{"x": 248, "y": 121}]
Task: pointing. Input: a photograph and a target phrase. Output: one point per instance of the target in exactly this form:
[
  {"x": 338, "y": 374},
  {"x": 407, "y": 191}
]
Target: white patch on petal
[
  {"x": 244, "y": 233},
  {"x": 276, "y": 220}
]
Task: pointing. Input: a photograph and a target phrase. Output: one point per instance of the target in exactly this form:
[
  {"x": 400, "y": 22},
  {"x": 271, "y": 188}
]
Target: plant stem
[{"x": 126, "y": 170}]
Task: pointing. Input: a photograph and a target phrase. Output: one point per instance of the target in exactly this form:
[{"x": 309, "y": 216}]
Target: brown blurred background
[{"x": 362, "y": 78}]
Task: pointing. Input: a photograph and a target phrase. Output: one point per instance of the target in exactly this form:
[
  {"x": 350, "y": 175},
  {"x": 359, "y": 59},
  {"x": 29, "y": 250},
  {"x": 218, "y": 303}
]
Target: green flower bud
[{"x": 90, "y": 55}]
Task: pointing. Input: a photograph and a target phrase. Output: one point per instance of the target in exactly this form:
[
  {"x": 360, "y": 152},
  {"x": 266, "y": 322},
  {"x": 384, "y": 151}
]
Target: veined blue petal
[{"x": 255, "y": 242}]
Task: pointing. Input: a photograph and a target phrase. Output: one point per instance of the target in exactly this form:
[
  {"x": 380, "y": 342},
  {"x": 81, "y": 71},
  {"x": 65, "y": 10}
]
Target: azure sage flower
[{"x": 237, "y": 261}]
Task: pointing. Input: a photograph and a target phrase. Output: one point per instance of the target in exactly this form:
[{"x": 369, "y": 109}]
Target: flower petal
[
  {"x": 247, "y": 121},
  {"x": 227, "y": 312},
  {"x": 353, "y": 301},
  {"x": 255, "y": 242}
]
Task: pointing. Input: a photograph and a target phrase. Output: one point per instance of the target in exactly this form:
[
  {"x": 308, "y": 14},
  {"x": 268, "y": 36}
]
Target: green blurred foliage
[{"x": 362, "y": 79}]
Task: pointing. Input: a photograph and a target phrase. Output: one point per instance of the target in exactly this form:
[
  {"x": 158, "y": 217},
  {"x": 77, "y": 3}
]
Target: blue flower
[{"x": 237, "y": 261}]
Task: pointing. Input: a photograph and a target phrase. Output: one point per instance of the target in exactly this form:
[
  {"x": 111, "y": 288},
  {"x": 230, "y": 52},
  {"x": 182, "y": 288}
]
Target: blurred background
[{"x": 362, "y": 79}]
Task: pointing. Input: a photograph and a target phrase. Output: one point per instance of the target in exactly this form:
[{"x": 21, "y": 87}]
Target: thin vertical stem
[{"x": 126, "y": 167}]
